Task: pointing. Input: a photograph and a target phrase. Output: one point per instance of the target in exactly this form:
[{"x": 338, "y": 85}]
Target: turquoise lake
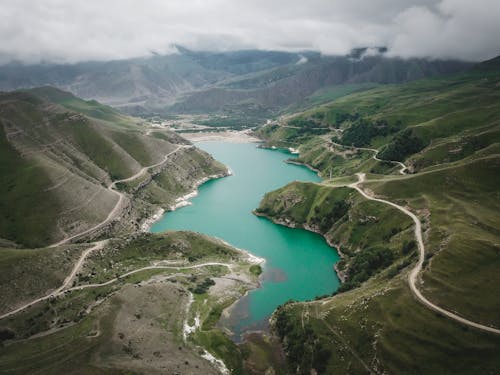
[{"x": 299, "y": 264}]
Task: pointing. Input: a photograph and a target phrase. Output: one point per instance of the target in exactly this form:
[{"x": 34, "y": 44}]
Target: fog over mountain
[{"x": 74, "y": 31}]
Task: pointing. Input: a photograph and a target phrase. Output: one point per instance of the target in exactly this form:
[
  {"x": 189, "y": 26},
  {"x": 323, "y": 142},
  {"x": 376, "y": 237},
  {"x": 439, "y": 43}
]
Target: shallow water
[{"x": 299, "y": 264}]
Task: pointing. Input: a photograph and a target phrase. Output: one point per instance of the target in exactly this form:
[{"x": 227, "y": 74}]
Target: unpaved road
[
  {"x": 326, "y": 138},
  {"x": 402, "y": 169},
  {"x": 98, "y": 245},
  {"x": 413, "y": 276},
  {"x": 178, "y": 268},
  {"x": 121, "y": 197}
]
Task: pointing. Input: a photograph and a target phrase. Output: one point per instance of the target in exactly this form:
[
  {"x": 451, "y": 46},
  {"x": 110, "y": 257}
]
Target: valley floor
[{"x": 231, "y": 136}]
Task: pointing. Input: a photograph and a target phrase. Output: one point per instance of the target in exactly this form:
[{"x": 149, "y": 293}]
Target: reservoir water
[{"x": 299, "y": 264}]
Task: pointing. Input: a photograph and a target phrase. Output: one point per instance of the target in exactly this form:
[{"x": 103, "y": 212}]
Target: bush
[
  {"x": 304, "y": 348},
  {"x": 361, "y": 132},
  {"x": 408, "y": 247},
  {"x": 6, "y": 334},
  {"x": 336, "y": 210},
  {"x": 255, "y": 269},
  {"x": 203, "y": 287},
  {"x": 305, "y": 123}
]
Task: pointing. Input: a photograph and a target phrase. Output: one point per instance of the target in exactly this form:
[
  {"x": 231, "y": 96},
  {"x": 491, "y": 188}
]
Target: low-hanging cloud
[{"x": 71, "y": 31}]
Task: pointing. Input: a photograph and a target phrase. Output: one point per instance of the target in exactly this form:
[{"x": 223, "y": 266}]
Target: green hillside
[
  {"x": 59, "y": 154},
  {"x": 455, "y": 116},
  {"x": 26, "y": 210},
  {"x": 446, "y": 131}
]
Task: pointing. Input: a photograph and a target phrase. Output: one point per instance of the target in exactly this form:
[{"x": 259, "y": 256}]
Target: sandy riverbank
[{"x": 232, "y": 136}]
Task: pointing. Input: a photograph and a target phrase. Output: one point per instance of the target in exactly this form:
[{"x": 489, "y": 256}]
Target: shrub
[{"x": 203, "y": 286}]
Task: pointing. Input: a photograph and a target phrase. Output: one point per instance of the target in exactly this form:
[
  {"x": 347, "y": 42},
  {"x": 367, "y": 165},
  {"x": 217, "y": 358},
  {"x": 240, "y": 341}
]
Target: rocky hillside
[
  {"x": 283, "y": 86},
  {"x": 240, "y": 83},
  {"x": 60, "y": 154}
]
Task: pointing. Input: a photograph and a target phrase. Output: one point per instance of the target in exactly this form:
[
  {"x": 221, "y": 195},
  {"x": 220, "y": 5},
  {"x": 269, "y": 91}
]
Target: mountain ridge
[{"x": 187, "y": 81}]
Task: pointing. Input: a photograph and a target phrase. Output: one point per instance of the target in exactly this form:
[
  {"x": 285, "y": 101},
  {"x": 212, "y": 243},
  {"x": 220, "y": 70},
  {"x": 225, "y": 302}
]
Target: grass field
[
  {"x": 329, "y": 94},
  {"x": 26, "y": 274},
  {"x": 461, "y": 110},
  {"x": 380, "y": 328}
]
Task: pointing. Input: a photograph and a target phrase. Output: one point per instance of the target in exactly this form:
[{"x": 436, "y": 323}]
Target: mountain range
[{"x": 253, "y": 82}]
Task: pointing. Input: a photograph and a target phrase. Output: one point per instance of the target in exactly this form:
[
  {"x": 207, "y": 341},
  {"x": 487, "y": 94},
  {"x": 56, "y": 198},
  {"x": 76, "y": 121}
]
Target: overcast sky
[{"x": 79, "y": 30}]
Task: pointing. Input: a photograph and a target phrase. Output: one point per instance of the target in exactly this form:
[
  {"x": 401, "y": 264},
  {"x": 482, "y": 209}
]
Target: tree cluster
[
  {"x": 304, "y": 348},
  {"x": 335, "y": 211},
  {"x": 365, "y": 264},
  {"x": 404, "y": 144},
  {"x": 362, "y": 131},
  {"x": 202, "y": 287}
]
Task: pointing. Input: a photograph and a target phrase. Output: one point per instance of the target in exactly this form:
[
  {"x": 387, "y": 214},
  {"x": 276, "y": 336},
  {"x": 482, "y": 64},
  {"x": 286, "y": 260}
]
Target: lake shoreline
[
  {"x": 229, "y": 136},
  {"x": 223, "y": 211},
  {"x": 181, "y": 201},
  {"x": 290, "y": 224}
]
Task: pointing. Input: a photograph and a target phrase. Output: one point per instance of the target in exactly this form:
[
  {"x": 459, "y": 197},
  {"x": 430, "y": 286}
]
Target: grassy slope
[
  {"x": 464, "y": 216},
  {"x": 454, "y": 116},
  {"x": 419, "y": 102},
  {"x": 177, "y": 180},
  {"x": 28, "y": 213},
  {"x": 26, "y": 274},
  {"x": 455, "y": 193},
  {"x": 89, "y": 108},
  {"x": 130, "y": 329},
  {"x": 380, "y": 326},
  {"x": 329, "y": 94},
  {"x": 60, "y": 162},
  {"x": 381, "y": 321}
]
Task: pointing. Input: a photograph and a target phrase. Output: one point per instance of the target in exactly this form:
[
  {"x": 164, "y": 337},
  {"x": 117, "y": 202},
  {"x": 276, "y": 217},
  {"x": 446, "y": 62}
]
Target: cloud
[
  {"x": 457, "y": 29},
  {"x": 70, "y": 31}
]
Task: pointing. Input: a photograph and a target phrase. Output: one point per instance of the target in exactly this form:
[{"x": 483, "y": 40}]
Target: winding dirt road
[
  {"x": 402, "y": 169},
  {"x": 413, "y": 276},
  {"x": 326, "y": 138},
  {"x": 121, "y": 197},
  {"x": 98, "y": 245},
  {"x": 178, "y": 268}
]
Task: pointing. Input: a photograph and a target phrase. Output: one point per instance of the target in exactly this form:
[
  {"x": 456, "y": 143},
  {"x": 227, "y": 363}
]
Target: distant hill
[
  {"x": 238, "y": 83},
  {"x": 492, "y": 65},
  {"x": 283, "y": 86}
]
